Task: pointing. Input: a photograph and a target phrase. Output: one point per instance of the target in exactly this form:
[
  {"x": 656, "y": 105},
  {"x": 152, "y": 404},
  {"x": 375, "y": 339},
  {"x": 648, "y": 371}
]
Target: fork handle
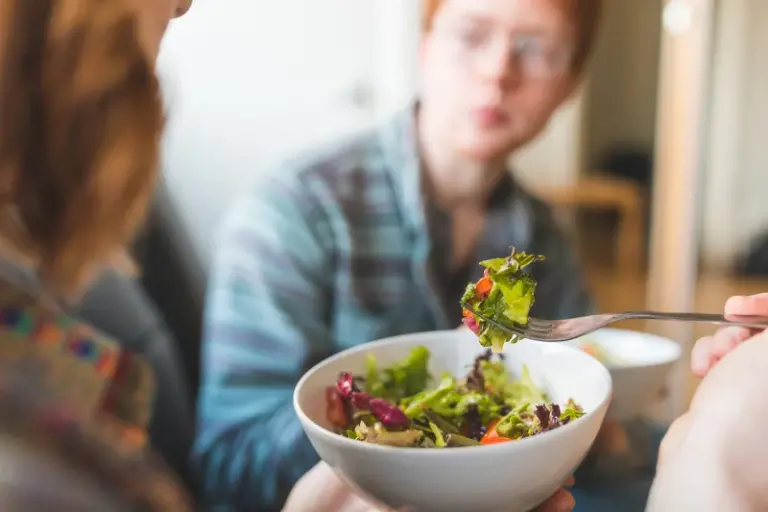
[{"x": 754, "y": 322}]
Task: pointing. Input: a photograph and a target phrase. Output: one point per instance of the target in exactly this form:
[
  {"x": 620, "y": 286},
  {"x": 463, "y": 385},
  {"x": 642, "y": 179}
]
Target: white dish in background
[
  {"x": 508, "y": 477},
  {"x": 640, "y": 375}
]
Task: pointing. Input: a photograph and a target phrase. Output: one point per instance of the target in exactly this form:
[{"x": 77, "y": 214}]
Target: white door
[
  {"x": 248, "y": 81},
  {"x": 682, "y": 107}
]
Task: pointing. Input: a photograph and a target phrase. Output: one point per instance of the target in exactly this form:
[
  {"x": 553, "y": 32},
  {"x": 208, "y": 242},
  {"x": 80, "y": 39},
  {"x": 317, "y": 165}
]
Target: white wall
[
  {"x": 624, "y": 77},
  {"x": 618, "y": 101},
  {"x": 734, "y": 206},
  {"x": 247, "y": 81},
  {"x": 556, "y": 157}
]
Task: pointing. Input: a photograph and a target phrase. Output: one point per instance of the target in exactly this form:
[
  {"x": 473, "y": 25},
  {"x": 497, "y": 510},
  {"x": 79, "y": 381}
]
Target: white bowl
[
  {"x": 508, "y": 477},
  {"x": 640, "y": 379}
]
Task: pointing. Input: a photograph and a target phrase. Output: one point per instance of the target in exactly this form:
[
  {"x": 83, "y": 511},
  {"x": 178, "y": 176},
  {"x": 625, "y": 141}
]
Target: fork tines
[{"x": 538, "y": 327}]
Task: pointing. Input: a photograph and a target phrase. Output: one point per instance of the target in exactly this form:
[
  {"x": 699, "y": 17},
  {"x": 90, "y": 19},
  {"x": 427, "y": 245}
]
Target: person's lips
[{"x": 489, "y": 116}]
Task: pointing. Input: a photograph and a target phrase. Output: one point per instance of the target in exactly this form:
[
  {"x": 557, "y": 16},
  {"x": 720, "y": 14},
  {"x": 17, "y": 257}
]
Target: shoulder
[
  {"x": 77, "y": 363},
  {"x": 339, "y": 159},
  {"x": 306, "y": 191},
  {"x": 345, "y": 167},
  {"x": 334, "y": 172}
]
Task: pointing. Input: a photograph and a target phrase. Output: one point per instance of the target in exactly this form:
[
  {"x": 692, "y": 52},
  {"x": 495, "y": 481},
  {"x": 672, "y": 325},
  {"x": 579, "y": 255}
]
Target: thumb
[
  {"x": 561, "y": 501},
  {"x": 753, "y": 305}
]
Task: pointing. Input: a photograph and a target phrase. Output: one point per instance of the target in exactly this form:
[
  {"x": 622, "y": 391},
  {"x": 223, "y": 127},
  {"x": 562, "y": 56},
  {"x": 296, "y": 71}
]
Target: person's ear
[
  {"x": 570, "y": 88},
  {"x": 182, "y": 6}
]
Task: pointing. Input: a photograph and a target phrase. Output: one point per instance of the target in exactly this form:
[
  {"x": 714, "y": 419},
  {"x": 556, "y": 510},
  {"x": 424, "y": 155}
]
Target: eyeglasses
[{"x": 535, "y": 56}]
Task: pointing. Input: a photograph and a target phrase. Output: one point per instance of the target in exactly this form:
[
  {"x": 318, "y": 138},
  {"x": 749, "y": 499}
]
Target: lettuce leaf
[
  {"x": 403, "y": 379},
  {"x": 508, "y": 302},
  {"x": 524, "y": 390}
]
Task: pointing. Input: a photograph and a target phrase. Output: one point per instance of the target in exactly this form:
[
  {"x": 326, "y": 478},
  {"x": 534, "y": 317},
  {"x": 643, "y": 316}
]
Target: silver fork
[{"x": 564, "y": 330}]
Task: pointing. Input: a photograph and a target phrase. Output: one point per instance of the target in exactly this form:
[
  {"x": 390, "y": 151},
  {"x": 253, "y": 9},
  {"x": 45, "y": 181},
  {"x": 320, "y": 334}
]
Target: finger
[
  {"x": 701, "y": 356},
  {"x": 561, "y": 501},
  {"x": 727, "y": 339},
  {"x": 570, "y": 482},
  {"x": 709, "y": 350},
  {"x": 750, "y": 305},
  {"x": 318, "y": 489}
]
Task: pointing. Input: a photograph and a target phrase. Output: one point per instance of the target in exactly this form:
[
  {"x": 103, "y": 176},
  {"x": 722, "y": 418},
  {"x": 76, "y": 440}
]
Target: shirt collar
[
  {"x": 399, "y": 144},
  {"x": 399, "y": 141}
]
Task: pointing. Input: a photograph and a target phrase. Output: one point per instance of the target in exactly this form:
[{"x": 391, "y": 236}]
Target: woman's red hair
[{"x": 80, "y": 125}]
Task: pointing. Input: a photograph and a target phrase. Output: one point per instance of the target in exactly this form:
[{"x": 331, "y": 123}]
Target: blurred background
[{"x": 656, "y": 169}]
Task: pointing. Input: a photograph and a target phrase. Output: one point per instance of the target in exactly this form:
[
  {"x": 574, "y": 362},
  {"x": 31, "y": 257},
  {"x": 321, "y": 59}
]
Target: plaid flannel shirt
[{"x": 325, "y": 253}]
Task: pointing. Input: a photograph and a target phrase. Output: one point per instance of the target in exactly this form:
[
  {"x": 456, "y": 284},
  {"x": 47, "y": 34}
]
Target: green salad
[
  {"x": 505, "y": 294},
  {"x": 396, "y": 406}
]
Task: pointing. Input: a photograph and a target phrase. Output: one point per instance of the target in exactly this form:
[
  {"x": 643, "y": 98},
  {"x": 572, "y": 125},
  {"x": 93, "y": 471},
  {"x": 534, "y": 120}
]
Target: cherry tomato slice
[
  {"x": 336, "y": 410},
  {"x": 483, "y": 286},
  {"x": 492, "y": 436},
  {"x": 495, "y": 440}
]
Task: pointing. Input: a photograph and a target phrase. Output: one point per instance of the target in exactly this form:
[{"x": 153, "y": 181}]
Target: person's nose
[{"x": 496, "y": 66}]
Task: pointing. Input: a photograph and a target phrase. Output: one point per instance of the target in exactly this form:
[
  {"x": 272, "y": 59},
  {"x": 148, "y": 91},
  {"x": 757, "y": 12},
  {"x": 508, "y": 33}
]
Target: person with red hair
[{"x": 379, "y": 234}]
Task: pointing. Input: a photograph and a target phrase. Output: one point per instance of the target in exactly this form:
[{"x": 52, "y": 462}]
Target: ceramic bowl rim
[{"x": 675, "y": 355}]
